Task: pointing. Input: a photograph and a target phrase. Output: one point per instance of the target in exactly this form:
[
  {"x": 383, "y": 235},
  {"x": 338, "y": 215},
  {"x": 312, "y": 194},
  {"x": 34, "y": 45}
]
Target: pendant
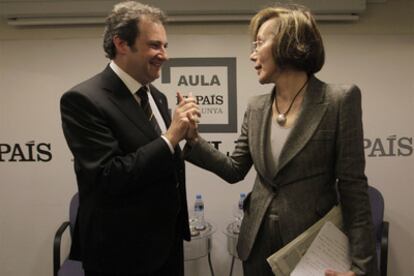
[{"x": 281, "y": 119}]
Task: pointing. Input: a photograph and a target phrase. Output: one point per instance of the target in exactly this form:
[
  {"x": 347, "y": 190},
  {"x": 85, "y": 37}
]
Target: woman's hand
[
  {"x": 193, "y": 118},
  {"x": 330, "y": 272}
]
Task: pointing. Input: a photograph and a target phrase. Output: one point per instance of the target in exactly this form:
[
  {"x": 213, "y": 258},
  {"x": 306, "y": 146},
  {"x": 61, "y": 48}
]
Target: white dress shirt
[{"x": 133, "y": 87}]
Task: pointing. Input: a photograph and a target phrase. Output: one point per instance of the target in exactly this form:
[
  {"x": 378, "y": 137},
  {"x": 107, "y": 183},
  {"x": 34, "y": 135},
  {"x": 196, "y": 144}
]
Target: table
[
  {"x": 200, "y": 244},
  {"x": 232, "y": 234}
]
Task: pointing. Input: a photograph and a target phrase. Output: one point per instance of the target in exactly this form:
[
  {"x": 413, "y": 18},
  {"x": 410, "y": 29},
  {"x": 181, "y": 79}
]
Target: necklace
[{"x": 281, "y": 117}]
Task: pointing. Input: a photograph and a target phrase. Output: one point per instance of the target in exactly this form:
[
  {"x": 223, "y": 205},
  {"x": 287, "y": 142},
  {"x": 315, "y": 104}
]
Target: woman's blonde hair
[{"x": 297, "y": 43}]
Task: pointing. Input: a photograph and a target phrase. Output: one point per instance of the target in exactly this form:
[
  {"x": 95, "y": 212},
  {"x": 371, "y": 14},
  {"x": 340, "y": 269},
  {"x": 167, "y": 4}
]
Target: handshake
[{"x": 184, "y": 121}]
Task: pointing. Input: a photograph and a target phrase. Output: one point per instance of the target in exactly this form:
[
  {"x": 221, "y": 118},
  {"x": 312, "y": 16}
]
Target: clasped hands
[{"x": 184, "y": 121}]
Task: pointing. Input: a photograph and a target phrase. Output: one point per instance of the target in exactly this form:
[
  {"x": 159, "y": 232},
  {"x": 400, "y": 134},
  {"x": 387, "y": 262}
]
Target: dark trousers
[
  {"x": 267, "y": 242},
  {"x": 174, "y": 266}
]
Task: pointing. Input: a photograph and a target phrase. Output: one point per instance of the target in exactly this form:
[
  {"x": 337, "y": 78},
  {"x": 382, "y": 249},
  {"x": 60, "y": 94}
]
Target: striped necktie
[{"x": 146, "y": 107}]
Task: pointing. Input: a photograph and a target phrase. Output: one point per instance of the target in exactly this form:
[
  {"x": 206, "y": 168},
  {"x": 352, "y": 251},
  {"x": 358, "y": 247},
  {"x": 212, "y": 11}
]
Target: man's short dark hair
[{"x": 123, "y": 22}]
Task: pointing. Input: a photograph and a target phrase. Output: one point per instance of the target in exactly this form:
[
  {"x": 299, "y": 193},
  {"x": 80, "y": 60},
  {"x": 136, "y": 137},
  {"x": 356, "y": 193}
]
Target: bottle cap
[
  {"x": 198, "y": 196},
  {"x": 242, "y": 195}
]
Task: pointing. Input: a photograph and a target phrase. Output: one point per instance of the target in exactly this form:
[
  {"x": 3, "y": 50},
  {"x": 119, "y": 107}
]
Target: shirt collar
[{"x": 129, "y": 81}]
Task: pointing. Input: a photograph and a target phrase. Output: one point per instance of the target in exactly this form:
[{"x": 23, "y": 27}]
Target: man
[{"x": 133, "y": 212}]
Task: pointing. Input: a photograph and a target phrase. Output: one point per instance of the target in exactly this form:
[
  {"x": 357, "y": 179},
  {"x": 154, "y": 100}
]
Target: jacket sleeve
[
  {"x": 99, "y": 158},
  {"x": 352, "y": 184},
  {"x": 231, "y": 168}
]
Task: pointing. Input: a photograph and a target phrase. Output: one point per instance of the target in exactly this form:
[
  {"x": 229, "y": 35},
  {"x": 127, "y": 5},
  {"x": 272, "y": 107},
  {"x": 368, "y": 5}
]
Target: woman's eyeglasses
[{"x": 256, "y": 45}]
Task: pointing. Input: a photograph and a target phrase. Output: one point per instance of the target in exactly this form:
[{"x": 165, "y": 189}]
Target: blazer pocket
[
  {"x": 273, "y": 217},
  {"x": 271, "y": 229},
  {"x": 323, "y": 135}
]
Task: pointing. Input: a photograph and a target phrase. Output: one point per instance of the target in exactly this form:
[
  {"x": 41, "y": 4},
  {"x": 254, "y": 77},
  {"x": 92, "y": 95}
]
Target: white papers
[
  {"x": 285, "y": 259},
  {"x": 330, "y": 249}
]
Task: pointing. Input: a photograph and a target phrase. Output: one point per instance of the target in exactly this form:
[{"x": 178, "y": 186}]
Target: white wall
[{"x": 39, "y": 64}]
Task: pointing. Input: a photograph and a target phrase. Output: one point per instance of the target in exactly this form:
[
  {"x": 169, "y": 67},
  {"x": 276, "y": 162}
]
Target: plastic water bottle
[{"x": 199, "y": 213}]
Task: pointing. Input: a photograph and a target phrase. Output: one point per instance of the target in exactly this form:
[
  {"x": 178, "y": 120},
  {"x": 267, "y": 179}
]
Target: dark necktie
[{"x": 142, "y": 93}]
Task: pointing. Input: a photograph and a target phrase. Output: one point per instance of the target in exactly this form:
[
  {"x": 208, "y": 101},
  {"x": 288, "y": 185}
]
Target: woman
[{"x": 305, "y": 141}]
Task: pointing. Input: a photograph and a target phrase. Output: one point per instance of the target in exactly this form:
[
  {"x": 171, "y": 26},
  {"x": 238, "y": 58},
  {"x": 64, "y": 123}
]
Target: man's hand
[
  {"x": 186, "y": 109},
  {"x": 330, "y": 272}
]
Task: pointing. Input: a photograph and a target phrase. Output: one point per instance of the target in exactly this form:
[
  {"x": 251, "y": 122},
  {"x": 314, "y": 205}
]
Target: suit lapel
[
  {"x": 162, "y": 105},
  {"x": 260, "y": 125},
  {"x": 312, "y": 112},
  {"x": 122, "y": 98}
]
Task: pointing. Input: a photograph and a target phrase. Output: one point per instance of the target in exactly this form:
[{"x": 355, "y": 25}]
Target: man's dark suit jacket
[{"x": 132, "y": 189}]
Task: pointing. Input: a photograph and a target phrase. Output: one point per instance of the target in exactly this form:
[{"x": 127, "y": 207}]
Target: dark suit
[
  {"x": 324, "y": 146},
  {"x": 132, "y": 189}
]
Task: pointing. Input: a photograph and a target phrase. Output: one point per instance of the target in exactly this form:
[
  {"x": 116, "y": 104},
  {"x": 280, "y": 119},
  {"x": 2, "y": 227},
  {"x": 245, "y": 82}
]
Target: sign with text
[{"x": 212, "y": 81}]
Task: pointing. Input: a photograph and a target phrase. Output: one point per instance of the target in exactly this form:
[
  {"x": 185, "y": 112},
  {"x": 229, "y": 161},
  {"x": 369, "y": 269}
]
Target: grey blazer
[{"x": 323, "y": 158}]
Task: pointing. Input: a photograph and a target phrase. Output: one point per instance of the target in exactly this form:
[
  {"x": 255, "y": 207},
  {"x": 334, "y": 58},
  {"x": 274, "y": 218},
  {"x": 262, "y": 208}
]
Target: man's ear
[{"x": 120, "y": 45}]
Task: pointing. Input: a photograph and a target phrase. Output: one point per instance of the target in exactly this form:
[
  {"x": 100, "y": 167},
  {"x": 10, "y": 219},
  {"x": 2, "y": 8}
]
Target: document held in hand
[
  {"x": 286, "y": 259},
  {"x": 330, "y": 249}
]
